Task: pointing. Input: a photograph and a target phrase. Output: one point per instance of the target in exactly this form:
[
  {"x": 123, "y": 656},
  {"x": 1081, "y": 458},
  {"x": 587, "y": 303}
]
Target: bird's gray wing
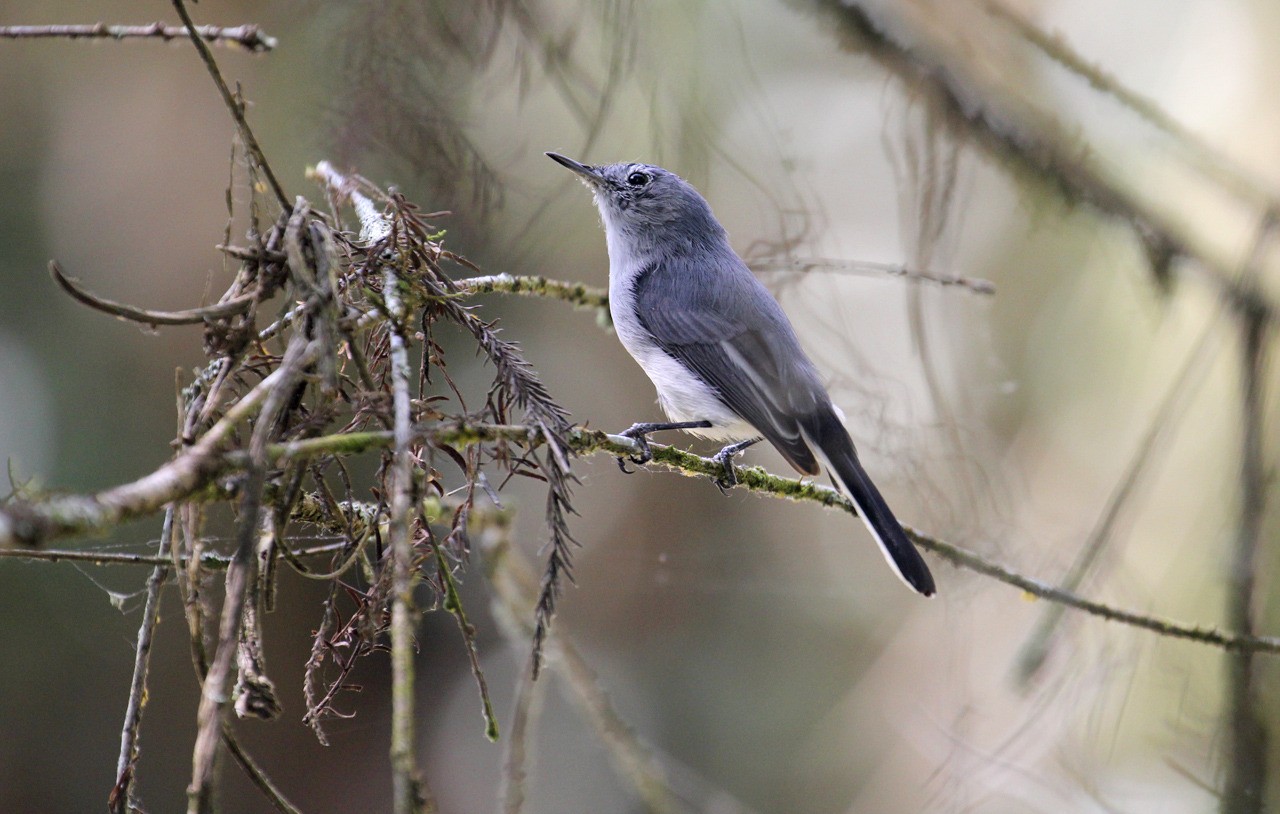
[
  {"x": 726, "y": 328},
  {"x": 723, "y": 325}
]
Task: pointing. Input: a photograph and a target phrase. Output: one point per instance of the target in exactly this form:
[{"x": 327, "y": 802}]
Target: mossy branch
[{"x": 752, "y": 478}]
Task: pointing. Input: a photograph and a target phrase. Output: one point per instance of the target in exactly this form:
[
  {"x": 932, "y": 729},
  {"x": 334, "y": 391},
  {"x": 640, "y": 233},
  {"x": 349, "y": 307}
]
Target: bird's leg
[
  {"x": 640, "y": 434},
  {"x": 728, "y": 479}
]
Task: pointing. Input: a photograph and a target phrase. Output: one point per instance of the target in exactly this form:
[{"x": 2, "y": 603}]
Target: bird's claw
[
  {"x": 638, "y": 433},
  {"x": 728, "y": 477}
]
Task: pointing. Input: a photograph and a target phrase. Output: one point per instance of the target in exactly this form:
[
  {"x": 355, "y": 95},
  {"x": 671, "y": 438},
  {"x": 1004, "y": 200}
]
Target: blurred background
[{"x": 761, "y": 649}]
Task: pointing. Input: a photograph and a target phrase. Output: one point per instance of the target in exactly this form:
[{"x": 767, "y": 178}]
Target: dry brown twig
[{"x": 321, "y": 367}]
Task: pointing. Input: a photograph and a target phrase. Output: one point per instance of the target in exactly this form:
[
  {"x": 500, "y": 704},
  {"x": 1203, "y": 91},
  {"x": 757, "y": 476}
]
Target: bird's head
[{"x": 642, "y": 204}]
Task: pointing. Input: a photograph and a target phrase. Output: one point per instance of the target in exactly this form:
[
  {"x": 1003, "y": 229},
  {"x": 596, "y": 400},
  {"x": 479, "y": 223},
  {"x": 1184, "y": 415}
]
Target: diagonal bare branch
[{"x": 234, "y": 107}]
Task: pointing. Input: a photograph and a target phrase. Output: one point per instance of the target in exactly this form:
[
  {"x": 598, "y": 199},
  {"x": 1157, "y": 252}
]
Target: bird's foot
[
  {"x": 727, "y": 479},
  {"x": 640, "y": 434}
]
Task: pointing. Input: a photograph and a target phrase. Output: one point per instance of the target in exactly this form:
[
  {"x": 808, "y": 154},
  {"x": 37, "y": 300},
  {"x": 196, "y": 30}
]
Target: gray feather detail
[{"x": 713, "y": 322}]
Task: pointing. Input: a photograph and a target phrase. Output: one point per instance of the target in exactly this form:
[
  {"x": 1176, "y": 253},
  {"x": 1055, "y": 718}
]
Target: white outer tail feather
[{"x": 862, "y": 510}]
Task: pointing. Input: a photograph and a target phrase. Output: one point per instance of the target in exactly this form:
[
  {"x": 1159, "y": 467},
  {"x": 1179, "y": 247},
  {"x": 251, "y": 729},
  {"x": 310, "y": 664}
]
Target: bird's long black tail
[{"x": 825, "y": 431}]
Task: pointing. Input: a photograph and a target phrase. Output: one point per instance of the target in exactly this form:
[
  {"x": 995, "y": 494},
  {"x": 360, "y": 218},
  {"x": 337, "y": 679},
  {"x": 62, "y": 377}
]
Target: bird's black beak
[{"x": 588, "y": 173}]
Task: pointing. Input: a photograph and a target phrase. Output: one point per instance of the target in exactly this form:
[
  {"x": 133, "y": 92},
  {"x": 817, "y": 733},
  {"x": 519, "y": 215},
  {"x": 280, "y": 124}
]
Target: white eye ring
[{"x": 638, "y": 179}]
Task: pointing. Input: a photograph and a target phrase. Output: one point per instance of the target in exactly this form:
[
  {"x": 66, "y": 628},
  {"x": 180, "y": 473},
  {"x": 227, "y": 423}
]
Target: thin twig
[
  {"x": 190, "y": 316},
  {"x": 974, "y": 285},
  {"x": 211, "y": 717},
  {"x": 964, "y": 558},
  {"x": 235, "y": 108},
  {"x": 249, "y": 37},
  {"x": 255, "y": 773},
  {"x": 453, "y": 604},
  {"x": 216, "y": 689},
  {"x": 254, "y": 255},
  {"x": 121, "y": 798},
  {"x": 208, "y": 559},
  {"x": 409, "y": 794}
]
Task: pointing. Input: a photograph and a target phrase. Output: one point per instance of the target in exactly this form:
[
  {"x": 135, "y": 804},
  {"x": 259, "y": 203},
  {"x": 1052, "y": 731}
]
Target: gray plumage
[{"x": 715, "y": 342}]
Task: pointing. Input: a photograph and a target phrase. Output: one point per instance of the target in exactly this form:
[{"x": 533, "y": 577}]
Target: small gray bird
[{"x": 717, "y": 346}]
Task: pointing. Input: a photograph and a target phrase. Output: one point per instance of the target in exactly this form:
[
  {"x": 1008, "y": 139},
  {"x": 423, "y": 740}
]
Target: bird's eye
[{"x": 638, "y": 179}]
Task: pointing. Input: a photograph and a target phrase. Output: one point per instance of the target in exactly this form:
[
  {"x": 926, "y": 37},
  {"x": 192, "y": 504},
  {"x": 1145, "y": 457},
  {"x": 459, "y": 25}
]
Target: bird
[{"x": 721, "y": 353}]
